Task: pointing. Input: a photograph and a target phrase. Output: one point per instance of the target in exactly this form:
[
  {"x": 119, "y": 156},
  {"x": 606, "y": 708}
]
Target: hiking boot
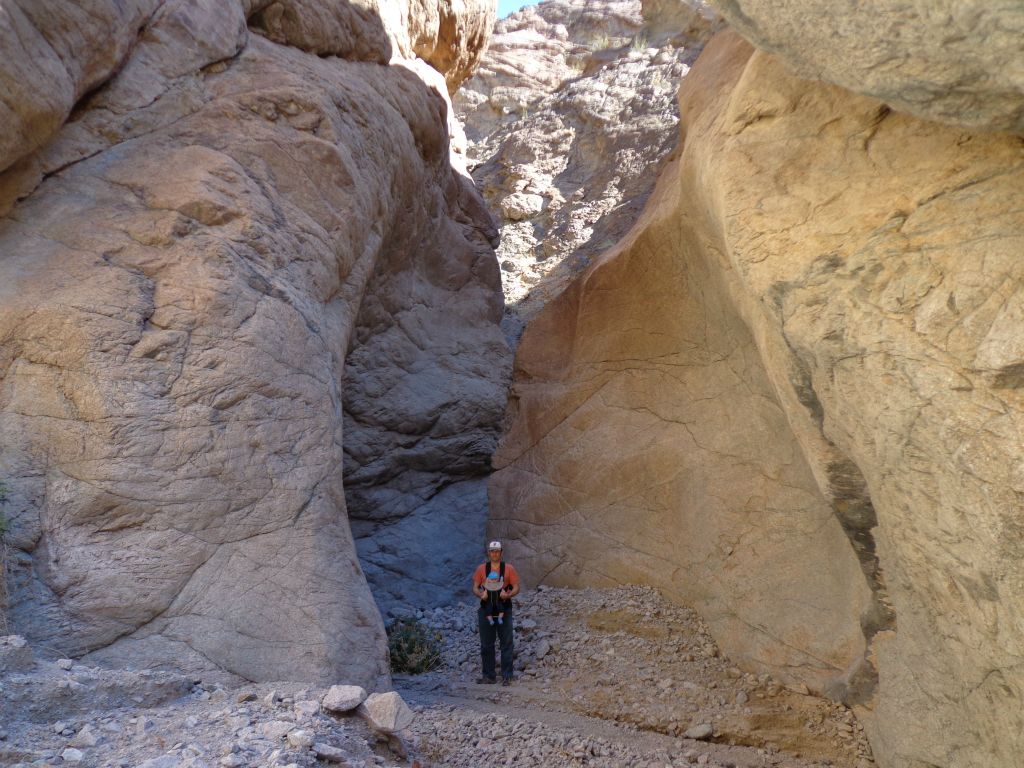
[
  {"x": 506, "y": 681},
  {"x": 486, "y": 680}
]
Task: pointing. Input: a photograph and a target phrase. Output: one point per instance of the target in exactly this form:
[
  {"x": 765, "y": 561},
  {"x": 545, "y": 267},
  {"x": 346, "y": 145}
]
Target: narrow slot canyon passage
[{"x": 709, "y": 312}]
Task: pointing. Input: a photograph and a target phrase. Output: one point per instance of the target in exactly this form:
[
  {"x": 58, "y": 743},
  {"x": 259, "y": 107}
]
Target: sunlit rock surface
[
  {"x": 185, "y": 267},
  {"x": 792, "y": 397}
]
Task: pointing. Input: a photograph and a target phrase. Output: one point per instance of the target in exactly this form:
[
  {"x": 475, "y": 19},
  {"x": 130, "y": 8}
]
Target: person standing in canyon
[{"x": 503, "y": 579}]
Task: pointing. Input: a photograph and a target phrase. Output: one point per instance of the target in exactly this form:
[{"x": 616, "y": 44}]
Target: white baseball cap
[{"x": 494, "y": 545}]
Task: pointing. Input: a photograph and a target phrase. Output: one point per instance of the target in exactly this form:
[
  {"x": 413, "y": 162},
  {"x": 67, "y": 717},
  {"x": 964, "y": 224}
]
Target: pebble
[
  {"x": 328, "y": 753},
  {"x": 275, "y": 730},
  {"x": 300, "y": 739},
  {"x": 85, "y": 738},
  {"x": 699, "y": 732}
]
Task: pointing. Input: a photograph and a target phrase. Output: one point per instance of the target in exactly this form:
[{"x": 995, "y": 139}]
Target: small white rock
[
  {"x": 330, "y": 754},
  {"x": 343, "y": 698},
  {"x": 164, "y": 761},
  {"x": 72, "y": 755},
  {"x": 275, "y": 730},
  {"x": 700, "y": 732},
  {"x": 300, "y": 738},
  {"x": 65, "y": 664}
]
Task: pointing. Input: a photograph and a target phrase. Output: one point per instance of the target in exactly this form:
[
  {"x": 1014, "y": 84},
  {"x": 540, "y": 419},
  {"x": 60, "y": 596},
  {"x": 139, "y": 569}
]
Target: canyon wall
[
  {"x": 209, "y": 208},
  {"x": 791, "y": 398}
]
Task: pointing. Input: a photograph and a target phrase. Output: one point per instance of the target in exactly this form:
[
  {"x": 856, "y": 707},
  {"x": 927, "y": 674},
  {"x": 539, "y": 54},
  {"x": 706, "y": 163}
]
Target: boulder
[
  {"x": 449, "y": 35},
  {"x": 343, "y": 698},
  {"x": 386, "y": 712},
  {"x": 956, "y": 61}
]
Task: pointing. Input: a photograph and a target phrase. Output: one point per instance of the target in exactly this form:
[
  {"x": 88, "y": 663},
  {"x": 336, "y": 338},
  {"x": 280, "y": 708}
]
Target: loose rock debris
[{"x": 605, "y": 678}]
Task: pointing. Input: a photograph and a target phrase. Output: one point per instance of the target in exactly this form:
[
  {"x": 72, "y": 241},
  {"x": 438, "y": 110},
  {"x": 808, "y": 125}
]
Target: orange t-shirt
[{"x": 511, "y": 577}]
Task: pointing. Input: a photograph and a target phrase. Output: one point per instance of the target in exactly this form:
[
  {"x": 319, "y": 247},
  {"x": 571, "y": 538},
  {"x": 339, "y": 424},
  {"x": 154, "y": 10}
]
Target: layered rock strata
[
  {"x": 570, "y": 117},
  {"x": 185, "y": 267},
  {"x": 792, "y": 397}
]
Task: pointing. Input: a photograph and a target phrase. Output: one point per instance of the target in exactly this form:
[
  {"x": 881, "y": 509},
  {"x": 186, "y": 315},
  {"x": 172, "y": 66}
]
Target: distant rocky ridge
[
  {"x": 569, "y": 118},
  {"x": 790, "y": 396},
  {"x": 228, "y": 227}
]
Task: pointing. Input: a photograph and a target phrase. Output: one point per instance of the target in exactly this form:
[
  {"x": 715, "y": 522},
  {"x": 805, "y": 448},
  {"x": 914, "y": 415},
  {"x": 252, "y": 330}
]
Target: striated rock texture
[
  {"x": 570, "y": 117},
  {"x": 184, "y": 267},
  {"x": 957, "y": 61},
  {"x": 793, "y": 397}
]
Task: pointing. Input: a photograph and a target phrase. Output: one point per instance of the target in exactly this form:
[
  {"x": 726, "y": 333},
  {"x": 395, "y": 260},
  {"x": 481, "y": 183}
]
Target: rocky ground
[
  {"x": 608, "y": 678},
  {"x": 618, "y": 677}
]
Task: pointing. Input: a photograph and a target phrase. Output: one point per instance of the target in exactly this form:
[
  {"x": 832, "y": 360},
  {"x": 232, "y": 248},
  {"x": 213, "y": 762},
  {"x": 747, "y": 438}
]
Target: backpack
[{"x": 503, "y": 602}]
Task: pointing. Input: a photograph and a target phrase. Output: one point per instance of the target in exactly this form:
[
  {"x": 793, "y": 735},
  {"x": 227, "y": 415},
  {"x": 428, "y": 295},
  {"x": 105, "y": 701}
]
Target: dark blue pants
[{"x": 488, "y": 634}]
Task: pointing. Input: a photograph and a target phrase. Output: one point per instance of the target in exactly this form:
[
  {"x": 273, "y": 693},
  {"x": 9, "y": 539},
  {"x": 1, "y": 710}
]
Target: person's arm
[
  {"x": 478, "y": 586},
  {"x": 512, "y": 588}
]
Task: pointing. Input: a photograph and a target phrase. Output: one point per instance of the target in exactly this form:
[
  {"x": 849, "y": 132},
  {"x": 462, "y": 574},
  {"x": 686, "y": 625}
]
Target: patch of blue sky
[{"x": 505, "y": 7}]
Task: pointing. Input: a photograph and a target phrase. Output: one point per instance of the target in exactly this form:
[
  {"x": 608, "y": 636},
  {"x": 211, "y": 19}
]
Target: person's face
[{"x": 494, "y": 554}]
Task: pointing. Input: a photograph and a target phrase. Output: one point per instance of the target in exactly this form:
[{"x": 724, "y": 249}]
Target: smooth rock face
[
  {"x": 426, "y": 558},
  {"x": 792, "y": 396},
  {"x": 957, "y": 61},
  {"x": 646, "y": 446},
  {"x": 184, "y": 270}
]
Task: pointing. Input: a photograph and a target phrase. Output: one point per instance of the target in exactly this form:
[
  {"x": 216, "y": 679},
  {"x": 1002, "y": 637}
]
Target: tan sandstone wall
[
  {"x": 183, "y": 269},
  {"x": 792, "y": 397}
]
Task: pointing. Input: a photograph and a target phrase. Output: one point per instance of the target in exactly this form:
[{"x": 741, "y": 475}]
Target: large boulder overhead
[{"x": 956, "y": 61}]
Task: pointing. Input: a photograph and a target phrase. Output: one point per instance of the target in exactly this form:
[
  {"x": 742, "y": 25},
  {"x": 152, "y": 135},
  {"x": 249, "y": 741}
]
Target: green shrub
[{"x": 415, "y": 648}]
